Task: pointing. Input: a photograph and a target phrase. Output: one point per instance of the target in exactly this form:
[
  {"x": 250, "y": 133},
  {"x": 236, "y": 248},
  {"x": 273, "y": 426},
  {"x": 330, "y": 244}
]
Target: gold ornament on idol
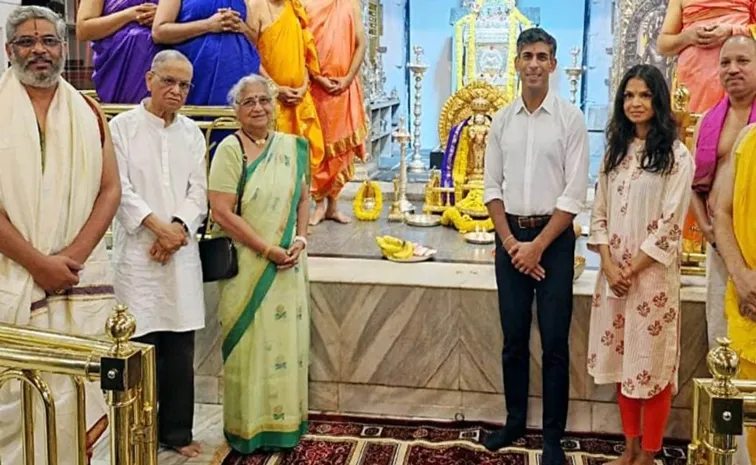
[{"x": 368, "y": 202}]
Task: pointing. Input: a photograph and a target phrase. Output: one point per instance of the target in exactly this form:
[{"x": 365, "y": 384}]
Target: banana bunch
[{"x": 396, "y": 248}]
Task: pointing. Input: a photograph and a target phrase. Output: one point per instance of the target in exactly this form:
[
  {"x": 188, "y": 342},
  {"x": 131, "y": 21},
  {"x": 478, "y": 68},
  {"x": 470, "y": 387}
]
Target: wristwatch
[
  {"x": 302, "y": 240},
  {"x": 183, "y": 225}
]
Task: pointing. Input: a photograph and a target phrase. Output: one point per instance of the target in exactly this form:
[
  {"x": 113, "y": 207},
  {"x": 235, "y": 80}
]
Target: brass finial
[
  {"x": 120, "y": 326},
  {"x": 723, "y": 363},
  {"x": 400, "y": 134},
  {"x": 418, "y": 53},
  {"x": 681, "y": 98}
]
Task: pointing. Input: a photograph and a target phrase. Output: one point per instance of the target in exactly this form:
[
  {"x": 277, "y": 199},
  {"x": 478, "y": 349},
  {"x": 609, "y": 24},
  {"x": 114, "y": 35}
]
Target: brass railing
[
  {"x": 722, "y": 408},
  {"x": 125, "y": 370}
]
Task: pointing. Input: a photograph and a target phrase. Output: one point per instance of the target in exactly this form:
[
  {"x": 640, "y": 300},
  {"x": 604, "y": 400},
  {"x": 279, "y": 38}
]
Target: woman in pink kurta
[{"x": 639, "y": 207}]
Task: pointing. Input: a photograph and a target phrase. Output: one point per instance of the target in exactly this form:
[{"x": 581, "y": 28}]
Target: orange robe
[
  {"x": 287, "y": 52},
  {"x": 698, "y": 68},
  {"x": 333, "y": 25}
]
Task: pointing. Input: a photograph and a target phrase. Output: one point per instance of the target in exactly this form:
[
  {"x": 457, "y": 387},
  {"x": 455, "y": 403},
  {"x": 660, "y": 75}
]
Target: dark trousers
[
  {"x": 554, "y": 312},
  {"x": 174, "y": 356}
]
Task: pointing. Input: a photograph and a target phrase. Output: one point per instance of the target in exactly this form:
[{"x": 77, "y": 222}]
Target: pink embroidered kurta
[{"x": 635, "y": 340}]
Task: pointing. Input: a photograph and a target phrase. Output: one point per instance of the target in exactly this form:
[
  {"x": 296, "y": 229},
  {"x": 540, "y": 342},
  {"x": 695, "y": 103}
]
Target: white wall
[{"x": 6, "y": 6}]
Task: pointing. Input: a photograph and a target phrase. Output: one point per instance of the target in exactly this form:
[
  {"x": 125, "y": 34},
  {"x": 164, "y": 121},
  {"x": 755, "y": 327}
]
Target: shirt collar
[
  {"x": 547, "y": 104},
  {"x": 153, "y": 119}
]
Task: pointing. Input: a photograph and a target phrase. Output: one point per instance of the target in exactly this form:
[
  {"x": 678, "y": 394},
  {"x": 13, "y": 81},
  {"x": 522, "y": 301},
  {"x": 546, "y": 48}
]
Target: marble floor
[{"x": 208, "y": 431}]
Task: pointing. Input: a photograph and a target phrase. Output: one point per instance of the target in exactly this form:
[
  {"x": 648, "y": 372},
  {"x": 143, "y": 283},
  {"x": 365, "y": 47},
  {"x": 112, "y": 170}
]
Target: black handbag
[{"x": 218, "y": 254}]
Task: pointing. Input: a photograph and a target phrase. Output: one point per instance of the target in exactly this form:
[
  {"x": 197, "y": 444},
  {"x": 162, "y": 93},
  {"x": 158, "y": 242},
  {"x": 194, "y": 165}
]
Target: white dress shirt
[
  {"x": 537, "y": 162},
  {"x": 162, "y": 172}
]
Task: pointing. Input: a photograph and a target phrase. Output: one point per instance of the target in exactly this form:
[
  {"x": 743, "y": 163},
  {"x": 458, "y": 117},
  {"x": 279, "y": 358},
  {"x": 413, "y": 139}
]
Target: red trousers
[{"x": 655, "y": 412}]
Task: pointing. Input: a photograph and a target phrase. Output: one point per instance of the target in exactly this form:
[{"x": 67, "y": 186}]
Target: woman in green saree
[{"x": 264, "y": 310}]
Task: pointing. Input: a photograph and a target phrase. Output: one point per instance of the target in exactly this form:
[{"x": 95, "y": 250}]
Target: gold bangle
[{"x": 267, "y": 251}]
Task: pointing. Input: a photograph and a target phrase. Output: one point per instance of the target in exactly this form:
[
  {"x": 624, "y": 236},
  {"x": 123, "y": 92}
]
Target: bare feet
[
  {"x": 627, "y": 458},
  {"x": 191, "y": 450},
  {"x": 333, "y": 214},
  {"x": 338, "y": 217},
  {"x": 632, "y": 452},
  {"x": 319, "y": 214},
  {"x": 644, "y": 458}
]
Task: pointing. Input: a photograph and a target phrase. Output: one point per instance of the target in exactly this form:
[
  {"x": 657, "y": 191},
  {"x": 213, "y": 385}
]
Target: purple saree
[{"x": 122, "y": 59}]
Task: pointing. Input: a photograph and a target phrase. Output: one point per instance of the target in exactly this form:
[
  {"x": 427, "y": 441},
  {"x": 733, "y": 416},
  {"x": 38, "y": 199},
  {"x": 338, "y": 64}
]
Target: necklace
[{"x": 257, "y": 142}]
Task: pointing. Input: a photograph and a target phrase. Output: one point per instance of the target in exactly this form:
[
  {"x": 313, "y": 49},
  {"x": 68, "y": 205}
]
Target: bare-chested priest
[
  {"x": 59, "y": 192},
  {"x": 715, "y": 139},
  {"x": 715, "y": 136}
]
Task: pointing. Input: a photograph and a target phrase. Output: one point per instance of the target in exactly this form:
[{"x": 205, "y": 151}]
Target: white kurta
[
  {"x": 635, "y": 340},
  {"x": 163, "y": 171}
]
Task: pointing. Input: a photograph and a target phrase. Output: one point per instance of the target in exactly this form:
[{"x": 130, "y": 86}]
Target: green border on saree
[
  {"x": 269, "y": 274},
  {"x": 266, "y": 439}
]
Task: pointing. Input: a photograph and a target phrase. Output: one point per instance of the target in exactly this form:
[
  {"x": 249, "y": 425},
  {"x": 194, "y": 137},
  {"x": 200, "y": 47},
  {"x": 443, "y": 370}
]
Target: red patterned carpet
[{"x": 359, "y": 441}]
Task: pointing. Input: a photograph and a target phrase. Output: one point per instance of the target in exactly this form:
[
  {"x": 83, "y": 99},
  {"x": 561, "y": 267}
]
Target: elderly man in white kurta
[
  {"x": 161, "y": 157},
  {"x": 59, "y": 191}
]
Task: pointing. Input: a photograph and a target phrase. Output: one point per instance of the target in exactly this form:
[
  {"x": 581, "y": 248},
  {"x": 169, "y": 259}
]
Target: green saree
[{"x": 264, "y": 313}]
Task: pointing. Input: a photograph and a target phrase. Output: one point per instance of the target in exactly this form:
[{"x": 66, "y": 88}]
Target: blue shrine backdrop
[{"x": 574, "y": 23}]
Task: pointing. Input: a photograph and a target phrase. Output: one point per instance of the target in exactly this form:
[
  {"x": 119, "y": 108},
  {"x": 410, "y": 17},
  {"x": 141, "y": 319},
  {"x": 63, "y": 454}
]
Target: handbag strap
[
  {"x": 239, "y": 188},
  {"x": 242, "y": 178}
]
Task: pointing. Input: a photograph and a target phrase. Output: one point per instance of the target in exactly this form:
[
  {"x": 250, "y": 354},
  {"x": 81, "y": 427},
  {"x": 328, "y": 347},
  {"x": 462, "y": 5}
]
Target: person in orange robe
[
  {"x": 288, "y": 58},
  {"x": 695, "y": 30},
  {"x": 340, "y": 41}
]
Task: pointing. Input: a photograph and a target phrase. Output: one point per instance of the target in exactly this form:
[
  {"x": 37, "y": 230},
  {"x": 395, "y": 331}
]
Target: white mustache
[{"x": 34, "y": 61}]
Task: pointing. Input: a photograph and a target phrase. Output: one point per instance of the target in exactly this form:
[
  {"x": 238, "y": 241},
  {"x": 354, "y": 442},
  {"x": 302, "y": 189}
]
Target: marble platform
[
  {"x": 423, "y": 340},
  {"x": 357, "y": 240}
]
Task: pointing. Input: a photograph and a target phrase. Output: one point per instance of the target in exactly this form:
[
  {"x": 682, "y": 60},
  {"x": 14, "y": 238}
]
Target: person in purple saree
[
  {"x": 122, "y": 45},
  {"x": 215, "y": 37}
]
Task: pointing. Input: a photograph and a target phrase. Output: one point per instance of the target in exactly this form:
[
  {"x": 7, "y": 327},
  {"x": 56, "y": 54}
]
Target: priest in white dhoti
[
  {"x": 161, "y": 159},
  {"x": 59, "y": 191}
]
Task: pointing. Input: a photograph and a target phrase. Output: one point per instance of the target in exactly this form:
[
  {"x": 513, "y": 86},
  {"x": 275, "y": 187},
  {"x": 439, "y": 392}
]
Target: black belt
[{"x": 530, "y": 222}]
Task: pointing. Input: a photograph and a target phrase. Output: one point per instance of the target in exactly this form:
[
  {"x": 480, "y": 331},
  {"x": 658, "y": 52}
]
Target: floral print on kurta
[{"x": 634, "y": 340}]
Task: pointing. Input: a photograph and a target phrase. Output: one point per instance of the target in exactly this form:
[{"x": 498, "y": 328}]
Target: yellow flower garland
[
  {"x": 464, "y": 223},
  {"x": 357, "y": 205}
]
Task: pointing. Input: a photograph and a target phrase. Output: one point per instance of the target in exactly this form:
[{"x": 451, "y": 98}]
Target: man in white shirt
[
  {"x": 536, "y": 176},
  {"x": 161, "y": 157}
]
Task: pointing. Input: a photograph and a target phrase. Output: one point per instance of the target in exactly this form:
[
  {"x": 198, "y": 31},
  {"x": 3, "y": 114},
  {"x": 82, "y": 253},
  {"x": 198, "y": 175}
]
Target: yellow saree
[
  {"x": 290, "y": 32},
  {"x": 264, "y": 313},
  {"x": 741, "y": 330}
]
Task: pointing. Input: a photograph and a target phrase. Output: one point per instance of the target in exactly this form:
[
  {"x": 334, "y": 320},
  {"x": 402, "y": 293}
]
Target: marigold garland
[
  {"x": 357, "y": 204},
  {"x": 464, "y": 223}
]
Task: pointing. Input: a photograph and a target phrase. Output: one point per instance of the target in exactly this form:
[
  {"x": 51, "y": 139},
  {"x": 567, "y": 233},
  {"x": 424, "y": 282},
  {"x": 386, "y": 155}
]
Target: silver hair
[
  {"x": 165, "y": 56},
  {"x": 246, "y": 81},
  {"x": 23, "y": 14}
]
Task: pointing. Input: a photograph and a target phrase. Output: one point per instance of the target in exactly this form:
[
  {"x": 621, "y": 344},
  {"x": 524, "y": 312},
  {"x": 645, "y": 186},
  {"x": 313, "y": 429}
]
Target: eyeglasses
[
  {"x": 49, "y": 42},
  {"x": 184, "y": 86},
  {"x": 253, "y": 101}
]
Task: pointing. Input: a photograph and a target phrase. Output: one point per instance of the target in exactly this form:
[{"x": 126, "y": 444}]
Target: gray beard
[{"x": 42, "y": 80}]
